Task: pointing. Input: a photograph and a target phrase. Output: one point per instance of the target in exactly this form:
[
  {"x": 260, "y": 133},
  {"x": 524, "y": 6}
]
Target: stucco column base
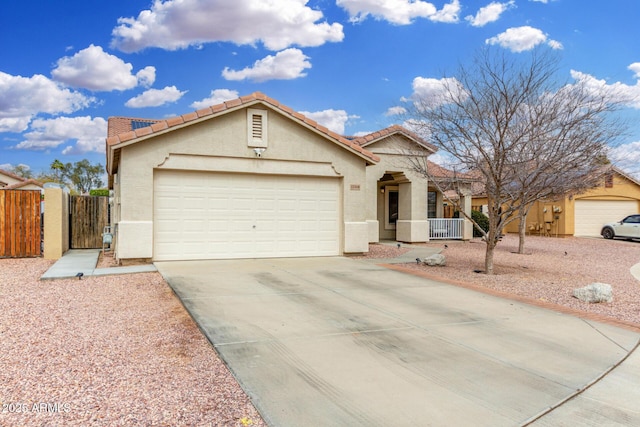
[
  {"x": 467, "y": 231},
  {"x": 412, "y": 231},
  {"x": 374, "y": 230},
  {"x": 356, "y": 237}
]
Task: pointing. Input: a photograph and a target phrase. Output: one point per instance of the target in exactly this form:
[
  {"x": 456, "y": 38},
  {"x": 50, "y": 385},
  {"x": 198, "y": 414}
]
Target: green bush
[
  {"x": 99, "y": 192},
  {"x": 482, "y": 220}
]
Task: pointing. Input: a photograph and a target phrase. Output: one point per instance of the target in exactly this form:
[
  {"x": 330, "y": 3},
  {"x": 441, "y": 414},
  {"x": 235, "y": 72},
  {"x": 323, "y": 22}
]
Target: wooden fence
[
  {"x": 88, "y": 217},
  {"x": 20, "y": 223}
]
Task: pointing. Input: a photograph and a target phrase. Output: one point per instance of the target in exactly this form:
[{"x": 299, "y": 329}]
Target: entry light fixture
[{"x": 259, "y": 151}]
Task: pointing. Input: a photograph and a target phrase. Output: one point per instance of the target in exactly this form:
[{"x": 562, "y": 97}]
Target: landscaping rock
[
  {"x": 435, "y": 260},
  {"x": 594, "y": 293}
]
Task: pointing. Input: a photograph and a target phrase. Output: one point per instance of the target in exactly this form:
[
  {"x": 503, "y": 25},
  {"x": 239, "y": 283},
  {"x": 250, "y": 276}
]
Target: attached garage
[
  {"x": 590, "y": 215},
  {"x": 208, "y": 215},
  {"x": 248, "y": 178}
]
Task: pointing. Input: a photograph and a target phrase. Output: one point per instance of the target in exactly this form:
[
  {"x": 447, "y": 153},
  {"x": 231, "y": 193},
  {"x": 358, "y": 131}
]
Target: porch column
[
  {"x": 412, "y": 224},
  {"x": 373, "y": 225},
  {"x": 465, "y": 205}
]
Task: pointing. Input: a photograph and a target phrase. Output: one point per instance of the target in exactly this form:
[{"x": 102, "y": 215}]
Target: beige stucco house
[
  {"x": 11, "y": 181},
  {"x": 617, "y": 196},
  {"x": 251, "y": 178}
]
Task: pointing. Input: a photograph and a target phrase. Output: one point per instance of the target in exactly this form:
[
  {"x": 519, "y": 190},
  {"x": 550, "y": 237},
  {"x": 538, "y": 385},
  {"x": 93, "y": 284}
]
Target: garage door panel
[
  {"x": 213, "y": 216},
  {"x": 590, "y": 215}
]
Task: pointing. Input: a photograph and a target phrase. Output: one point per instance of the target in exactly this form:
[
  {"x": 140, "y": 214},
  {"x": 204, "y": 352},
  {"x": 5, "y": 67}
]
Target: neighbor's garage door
[
  {"x": 592, "y": 214},
  {"x": 222, "y": 215}
]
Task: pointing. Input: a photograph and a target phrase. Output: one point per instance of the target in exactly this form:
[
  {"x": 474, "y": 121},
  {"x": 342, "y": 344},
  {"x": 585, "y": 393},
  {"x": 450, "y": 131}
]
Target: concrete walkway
[{"x": 84, "y": 261}]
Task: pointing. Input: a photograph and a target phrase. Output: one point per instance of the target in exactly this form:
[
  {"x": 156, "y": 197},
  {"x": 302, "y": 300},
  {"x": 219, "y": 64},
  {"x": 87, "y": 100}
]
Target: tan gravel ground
[
  {"x": 107, "y": 351},
  {"x": 546, "y": 274}
]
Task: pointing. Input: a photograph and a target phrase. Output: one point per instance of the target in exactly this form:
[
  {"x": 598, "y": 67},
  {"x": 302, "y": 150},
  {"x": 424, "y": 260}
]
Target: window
[
  {"x": 257, "y": 127},
  {"x": 432, "y": 204}
]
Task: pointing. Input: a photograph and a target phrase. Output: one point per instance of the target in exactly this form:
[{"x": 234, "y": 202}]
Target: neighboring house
[
  {"x": 251, "y": 178},
  {"x": 11, "y": 181},
  {"x": 582, "y": 214}
]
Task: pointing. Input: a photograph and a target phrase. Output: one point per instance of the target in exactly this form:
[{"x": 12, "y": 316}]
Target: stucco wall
[
  {"x": 223, "y": 139},
  {"x": 56, "y": 223}
]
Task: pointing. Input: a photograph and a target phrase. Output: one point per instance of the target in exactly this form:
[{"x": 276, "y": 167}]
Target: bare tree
[{"x": 527, "y": 137}]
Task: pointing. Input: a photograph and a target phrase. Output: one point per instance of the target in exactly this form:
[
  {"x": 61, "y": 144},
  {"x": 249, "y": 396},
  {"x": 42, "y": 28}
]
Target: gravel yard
[
  {"x": 107, "y": 351},
  {"x": 549, "y": 271},
  {"x": 122, "y": 351}
]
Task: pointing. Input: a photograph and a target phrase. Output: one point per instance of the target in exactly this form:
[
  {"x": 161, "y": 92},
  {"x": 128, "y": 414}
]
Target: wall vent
[{"x": 257, "y": 127}]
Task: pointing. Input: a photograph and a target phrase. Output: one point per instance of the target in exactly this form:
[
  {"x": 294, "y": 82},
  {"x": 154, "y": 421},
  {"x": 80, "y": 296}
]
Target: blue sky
[{"x": 65, "y": 67}]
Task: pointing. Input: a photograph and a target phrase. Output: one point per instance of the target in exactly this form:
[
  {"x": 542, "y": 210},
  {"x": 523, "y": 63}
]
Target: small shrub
[
  {"x": 482, "y": 220},
  {"x": 99, "y": 192}
]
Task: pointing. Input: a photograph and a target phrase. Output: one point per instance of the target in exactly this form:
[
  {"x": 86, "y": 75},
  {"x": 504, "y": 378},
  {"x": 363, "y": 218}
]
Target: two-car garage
[{"x": 209, "y": 215}]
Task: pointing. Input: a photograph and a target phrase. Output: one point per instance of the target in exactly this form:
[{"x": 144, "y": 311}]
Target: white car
[{"x": 628, "y": 228}]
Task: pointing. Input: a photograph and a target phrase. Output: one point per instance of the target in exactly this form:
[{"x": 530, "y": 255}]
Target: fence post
[{"x": 56, "y": 223}]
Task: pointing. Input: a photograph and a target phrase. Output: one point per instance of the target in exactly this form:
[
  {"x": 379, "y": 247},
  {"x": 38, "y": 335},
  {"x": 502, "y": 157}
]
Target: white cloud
[
  {"x": 218, "y": 96},
  {"x": 616, "y": 92},
  {"x": 334, "y": 120},
  {"x": 519, "y": 39},
  {"x": 489, "y": 13},
  {"x": 430, "y": 92},
  {"x": 155, "y": 97},
  {"x": 399, "y": 12},
  {"x": 395, "y": 111},
  {"x": 147, "y": 76},
  {"x": 21, "y": 98},
  {"x": 555, "y": 45},
  {"x": 286, "y": 65},
  {"x": 448, "y": 14},
  {"x": 635, "y": 67},
  {"x": 94, "y": 69},
  {"x": 178, "y": 24},
  {"x": 89, "y": 134},
  {"x": 627, "y": 157}
]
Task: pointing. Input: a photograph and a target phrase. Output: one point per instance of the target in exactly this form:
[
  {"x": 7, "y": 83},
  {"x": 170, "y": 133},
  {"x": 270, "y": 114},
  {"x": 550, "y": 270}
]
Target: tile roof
[
  {"x": 437, "y": 171},
  {"x": 12, "y": 175},
  {"x": 119, "y": 132},
  {"x": 23, "y": 183},
  {"x": 117, "y": 125},
  {"x": 365, "y": 140}
]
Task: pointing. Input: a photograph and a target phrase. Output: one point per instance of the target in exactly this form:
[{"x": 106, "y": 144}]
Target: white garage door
[
  {"x": 222, "y": 216},
  {"x": 590, "y": 215}
]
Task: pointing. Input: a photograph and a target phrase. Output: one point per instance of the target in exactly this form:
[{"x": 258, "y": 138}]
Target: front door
[{"x": 391, "y": 207}]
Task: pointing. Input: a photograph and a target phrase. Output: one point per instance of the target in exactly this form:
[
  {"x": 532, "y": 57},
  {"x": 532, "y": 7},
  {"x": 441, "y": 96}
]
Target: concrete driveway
[{"x": 342, "y": 342}]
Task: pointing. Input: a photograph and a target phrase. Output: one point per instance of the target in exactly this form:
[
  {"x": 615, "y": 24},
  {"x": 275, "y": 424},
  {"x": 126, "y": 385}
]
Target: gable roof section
[
  {"x": 24, "y": 183},
  {"x": 11, "y": 175},
  {"x": 117, "y": 139},
  {"x": 374, "y": 137},
  {"x": 625, "y": 175}
]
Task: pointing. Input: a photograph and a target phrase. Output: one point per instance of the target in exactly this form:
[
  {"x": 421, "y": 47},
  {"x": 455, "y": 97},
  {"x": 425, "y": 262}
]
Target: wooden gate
[
  {"x": 88, "y": 215},
  {"x": 20, "y": 223}
]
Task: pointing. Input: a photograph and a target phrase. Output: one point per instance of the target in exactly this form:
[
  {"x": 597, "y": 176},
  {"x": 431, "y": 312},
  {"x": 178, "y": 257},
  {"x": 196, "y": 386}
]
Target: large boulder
[
  {"x": 594, "y": 293},
  {"x": 435, "y": 260}
]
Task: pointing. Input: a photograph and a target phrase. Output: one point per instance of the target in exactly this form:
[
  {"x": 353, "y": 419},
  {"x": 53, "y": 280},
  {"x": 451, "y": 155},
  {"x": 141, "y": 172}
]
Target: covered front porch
[{"x": 410, "y": 209}]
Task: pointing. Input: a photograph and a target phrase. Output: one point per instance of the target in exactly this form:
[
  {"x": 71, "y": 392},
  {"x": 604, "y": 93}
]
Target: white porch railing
[{"x": 446, "y": 228}]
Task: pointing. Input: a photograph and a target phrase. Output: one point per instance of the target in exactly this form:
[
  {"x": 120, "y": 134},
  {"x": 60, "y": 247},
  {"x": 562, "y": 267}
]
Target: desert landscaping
[{"x": 122, "y": 350}]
